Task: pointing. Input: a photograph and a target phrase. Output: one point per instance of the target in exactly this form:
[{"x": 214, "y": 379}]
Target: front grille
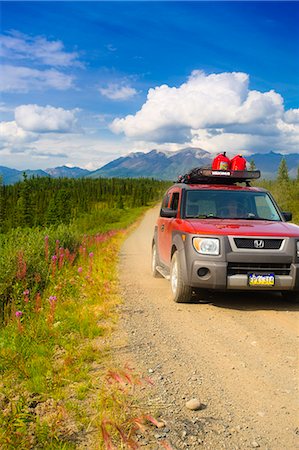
[
  {"x": 269, "y": 244},
  {"x": 245, "y": 268}
]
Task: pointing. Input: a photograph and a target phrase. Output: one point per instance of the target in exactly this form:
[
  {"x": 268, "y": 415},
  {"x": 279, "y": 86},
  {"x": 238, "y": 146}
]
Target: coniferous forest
[
  {"x": 60, "y": 210},
  {"x": 38, "y": 202}
]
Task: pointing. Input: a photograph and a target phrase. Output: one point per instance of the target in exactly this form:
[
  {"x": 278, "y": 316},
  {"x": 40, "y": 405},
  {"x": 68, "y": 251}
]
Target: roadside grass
[{"x": 57, "y": 388}]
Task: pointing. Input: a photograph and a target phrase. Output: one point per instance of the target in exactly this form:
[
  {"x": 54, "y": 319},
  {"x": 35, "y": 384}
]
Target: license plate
[{"x": 261, "y": 279}]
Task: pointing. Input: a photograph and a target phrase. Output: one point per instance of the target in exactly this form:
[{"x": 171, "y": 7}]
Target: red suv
[{"x": 214, "y": 234}]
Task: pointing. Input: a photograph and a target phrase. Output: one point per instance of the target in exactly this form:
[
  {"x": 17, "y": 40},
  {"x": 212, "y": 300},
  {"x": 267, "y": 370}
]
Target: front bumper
[
  {"x": 217, "y": 278},
  {"x": 230, "y": 269}
]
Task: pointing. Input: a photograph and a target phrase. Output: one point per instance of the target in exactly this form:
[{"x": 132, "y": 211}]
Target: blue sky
[{"x": 85, "y": 82}]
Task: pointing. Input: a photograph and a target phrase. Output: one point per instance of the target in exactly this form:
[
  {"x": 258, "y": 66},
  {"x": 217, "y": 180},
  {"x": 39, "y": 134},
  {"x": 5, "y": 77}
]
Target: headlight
[{"x": 206, "y": 246}]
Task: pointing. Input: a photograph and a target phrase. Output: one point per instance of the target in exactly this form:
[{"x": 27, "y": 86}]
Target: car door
[{"x": 165, "y": 227}]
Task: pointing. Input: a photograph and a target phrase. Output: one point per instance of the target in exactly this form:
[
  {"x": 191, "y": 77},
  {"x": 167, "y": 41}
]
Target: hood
[{"x": 243, "y": 227}]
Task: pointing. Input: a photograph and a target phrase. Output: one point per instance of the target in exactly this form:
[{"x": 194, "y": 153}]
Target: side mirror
[
  {"x": 168, "y": 213},
  {"x": 287, "y": 216}
]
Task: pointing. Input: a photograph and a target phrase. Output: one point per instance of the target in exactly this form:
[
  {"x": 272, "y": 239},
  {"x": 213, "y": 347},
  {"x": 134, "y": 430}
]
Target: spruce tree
[{"x": 283, "y": 174}]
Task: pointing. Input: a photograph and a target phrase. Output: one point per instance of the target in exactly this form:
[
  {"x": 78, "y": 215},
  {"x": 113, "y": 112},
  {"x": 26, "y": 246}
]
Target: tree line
[
  {"x": 47, "y": 201},
  {"x": 284, "y": 189}
]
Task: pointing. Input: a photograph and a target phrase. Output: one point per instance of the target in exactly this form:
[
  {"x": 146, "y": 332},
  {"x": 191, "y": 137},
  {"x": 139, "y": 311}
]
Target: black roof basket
[{"x": 202, "y": 175}]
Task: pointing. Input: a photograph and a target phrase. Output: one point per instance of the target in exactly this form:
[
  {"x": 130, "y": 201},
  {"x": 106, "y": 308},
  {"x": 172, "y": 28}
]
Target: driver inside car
[{"x": 232, "y": 210}]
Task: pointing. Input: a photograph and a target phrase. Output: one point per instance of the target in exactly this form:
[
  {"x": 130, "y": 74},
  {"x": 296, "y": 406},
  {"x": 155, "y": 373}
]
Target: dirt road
[{"x": 238, "y": 355}]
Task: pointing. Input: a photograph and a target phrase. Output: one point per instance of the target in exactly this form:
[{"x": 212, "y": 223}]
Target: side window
[
  {"x": 175, "y": 201},
  {"x": 265, "y": 208},
  {"x": 165, "y": 201}
]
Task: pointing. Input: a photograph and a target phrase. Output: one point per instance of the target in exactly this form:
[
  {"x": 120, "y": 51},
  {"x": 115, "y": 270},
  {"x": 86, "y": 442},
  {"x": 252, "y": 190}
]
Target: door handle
[{"x": 162, "y": 227}]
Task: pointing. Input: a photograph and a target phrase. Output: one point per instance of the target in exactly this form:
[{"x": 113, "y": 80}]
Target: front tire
[{"x": 181, "y": 293}]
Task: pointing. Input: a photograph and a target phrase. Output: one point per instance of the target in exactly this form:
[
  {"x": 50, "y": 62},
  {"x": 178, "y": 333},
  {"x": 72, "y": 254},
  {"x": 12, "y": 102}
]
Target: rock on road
[{"x": 238, "y": 355}]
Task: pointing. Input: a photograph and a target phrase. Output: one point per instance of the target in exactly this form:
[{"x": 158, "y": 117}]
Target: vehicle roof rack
[{"x": 203, "y": 175}]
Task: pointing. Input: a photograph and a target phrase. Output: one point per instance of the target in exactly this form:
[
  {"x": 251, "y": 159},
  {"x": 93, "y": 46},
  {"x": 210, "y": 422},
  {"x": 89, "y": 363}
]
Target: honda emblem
[{"x": 258, "y": 243}]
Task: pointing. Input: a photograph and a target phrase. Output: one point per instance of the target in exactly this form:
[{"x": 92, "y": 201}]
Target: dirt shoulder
[{"x": 238, "y": 355}]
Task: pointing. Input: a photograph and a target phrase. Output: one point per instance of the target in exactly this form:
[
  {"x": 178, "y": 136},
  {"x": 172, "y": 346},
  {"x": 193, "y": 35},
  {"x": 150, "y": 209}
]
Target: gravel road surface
[{"x": 237, "y": 355}]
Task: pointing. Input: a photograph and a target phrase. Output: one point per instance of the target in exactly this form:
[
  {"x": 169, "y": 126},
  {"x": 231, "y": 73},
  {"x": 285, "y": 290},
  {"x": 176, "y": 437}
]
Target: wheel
[
  {"x": 180, "y": 291},
  {"x": 155, "y": 263},
  {"x": 291, "y": 296}
]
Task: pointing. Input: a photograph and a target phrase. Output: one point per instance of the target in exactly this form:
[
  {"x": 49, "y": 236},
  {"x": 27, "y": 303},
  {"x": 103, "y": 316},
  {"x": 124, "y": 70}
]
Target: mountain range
[{"x": 158, "y": 164}]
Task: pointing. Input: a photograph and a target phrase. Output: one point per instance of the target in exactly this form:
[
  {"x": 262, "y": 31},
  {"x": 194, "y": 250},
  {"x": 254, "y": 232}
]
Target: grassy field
[{"x": 59, "y": 386}]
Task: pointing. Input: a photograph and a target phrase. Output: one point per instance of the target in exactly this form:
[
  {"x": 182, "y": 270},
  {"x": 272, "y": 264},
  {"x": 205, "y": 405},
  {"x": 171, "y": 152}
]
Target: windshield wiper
[
  {"x": 204, "y": 216},
  {"x": 261, "y": 218}
]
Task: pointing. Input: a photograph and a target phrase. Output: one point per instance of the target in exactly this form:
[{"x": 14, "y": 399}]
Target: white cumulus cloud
[
  {"x": 204, "y": 101},
  {"x": 43, "y": 119},
  {"x": 12, "y": 134},
  {"x": 115, "y": 91},
  {"x": 292, "y": 116},
  {"x": 216, "y": 112}
]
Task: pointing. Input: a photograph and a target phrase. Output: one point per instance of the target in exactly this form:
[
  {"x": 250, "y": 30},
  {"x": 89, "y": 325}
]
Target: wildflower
[
  {"x": 52, "y": 300},
  {"x": 90, "y": 263},
  {"x": 38, "y": 302},
  {"x": 61, "y": 257},
  {"x": 67, "y": 254},
  {"x": 26, "y": 295},
  {"x": 56, "y": 246},
  {"x": 18, "y": 316},
  {"x": 80, "y": 269},
  {"x": 54, "y": 259},
  {"x": 72, "y": 258}
]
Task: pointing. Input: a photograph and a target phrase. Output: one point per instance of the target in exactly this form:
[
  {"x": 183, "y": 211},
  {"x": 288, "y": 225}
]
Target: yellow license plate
[{"x": 260, "y": 280}]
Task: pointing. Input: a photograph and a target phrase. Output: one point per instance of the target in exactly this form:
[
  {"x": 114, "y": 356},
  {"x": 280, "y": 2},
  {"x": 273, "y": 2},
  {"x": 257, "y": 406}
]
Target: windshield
[{"x": 228, "y": 204}]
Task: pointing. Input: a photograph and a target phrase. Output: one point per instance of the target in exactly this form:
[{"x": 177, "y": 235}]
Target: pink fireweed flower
[
  {"x": 26, "y": 295},
  {"x": 90, "y": 263},
  {"x": 57, "y": 247},
  {"x": 61, "y": 257},
  {"x": 38, "y": 302},
  {"x": 52, "y": 300},
  {"x": 54, "y": 259},
  {"x": 67, "y": 253},
  {"x": 18, "y": 316},
  {"x": 72, "y": 258},
  {"x": 80, "y": 269}
]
